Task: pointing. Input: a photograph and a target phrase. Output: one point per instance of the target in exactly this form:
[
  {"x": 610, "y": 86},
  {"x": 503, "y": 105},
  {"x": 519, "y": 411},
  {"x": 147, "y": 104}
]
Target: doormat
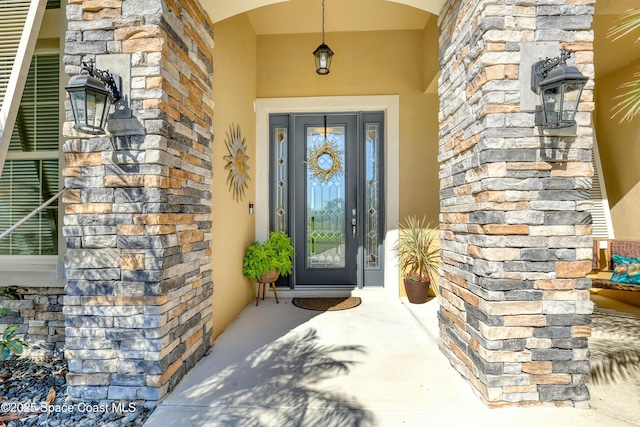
[{"x": 327, "y": 304}]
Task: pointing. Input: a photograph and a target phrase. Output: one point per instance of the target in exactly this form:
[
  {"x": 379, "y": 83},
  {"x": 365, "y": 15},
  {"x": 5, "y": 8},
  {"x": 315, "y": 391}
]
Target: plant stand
[{"x": 263, "y": 283}]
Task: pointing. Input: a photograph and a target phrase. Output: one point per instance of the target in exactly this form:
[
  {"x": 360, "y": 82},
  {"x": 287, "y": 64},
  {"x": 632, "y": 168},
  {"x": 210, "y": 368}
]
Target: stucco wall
[
  {"x": 620, "y": 154},
  {"x": 234, "y": 90},
  {"x": 367, "y": 63},
  {"x": 430, "y": 64}
]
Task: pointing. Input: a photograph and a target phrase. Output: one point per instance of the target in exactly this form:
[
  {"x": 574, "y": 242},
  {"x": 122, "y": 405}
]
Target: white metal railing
[{"x": 31, "y": 215}]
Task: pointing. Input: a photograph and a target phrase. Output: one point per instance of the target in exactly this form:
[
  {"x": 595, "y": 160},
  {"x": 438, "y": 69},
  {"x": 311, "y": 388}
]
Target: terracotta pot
[
  {"x": 417, "y": 292},
  {"x": 269, "y": 277}
]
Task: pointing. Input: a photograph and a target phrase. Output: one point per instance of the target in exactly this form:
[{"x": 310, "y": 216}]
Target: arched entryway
[
  {"x": 378, "y": 67},
  {"x": 219, "y": 10}
]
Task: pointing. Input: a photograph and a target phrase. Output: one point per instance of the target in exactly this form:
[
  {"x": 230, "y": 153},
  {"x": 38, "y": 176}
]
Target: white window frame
[
  {"x": 390, "y": 104},
  {"x": 39, "y": 270}
]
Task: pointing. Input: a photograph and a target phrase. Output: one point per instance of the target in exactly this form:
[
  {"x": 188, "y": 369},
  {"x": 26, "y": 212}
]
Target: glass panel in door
[
  {"x": 372, "y": 199},
  {"x": 372, "y": 185},
  {"x": 325, "y": 213}
]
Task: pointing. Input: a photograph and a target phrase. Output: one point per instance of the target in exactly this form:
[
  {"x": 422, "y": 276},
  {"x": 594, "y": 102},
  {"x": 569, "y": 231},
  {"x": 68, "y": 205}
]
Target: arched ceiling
[
  {"x": 360, "y": 10},
  {"x": 304, "y": 16}
]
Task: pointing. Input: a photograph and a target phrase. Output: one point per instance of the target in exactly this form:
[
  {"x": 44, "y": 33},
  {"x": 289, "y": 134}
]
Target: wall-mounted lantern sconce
[
  {"x": 91, "y": 96},
  {"x": 251, "y": 209},
  {"x": 323, "y": 54},
  {"x": 560, "y": 86}
]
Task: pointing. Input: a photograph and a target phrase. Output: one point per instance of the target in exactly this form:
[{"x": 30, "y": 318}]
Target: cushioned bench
[{"x": 603, "y": 252}]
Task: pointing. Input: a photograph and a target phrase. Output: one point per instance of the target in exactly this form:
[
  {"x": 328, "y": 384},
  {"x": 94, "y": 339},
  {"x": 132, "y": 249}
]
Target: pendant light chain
[
  {"x": 323, "y": 53},
  {"x": 322, "y": 21}
]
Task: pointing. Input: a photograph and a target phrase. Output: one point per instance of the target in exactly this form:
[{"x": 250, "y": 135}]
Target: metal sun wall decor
[
  {"x": 325, "y": 160},
  {"x": 237, "y": 162}
]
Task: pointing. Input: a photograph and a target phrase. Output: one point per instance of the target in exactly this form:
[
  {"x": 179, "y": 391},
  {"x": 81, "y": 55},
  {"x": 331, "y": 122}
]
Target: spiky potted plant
[{"x": 418, "y": 258}]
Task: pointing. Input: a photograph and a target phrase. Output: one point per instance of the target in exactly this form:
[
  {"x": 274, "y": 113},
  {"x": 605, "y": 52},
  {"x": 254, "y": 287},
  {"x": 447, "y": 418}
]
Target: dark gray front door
[
  {"x": 325, "y": 200},
  {"x": 327, "y": 192}
]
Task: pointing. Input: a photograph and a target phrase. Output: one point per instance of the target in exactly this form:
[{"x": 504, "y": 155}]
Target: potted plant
[
  {"x": 418, "y": 258},
  {"x": 265, "y": 262}
]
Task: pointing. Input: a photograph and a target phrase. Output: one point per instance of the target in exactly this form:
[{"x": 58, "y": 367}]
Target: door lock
[{"x": 353, "y": 226}]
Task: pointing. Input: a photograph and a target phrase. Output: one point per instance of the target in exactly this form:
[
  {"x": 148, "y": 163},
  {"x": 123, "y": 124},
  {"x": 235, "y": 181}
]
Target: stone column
[
  {"x": 516, "y": 240},
  {"x": 137, "y": 223}
]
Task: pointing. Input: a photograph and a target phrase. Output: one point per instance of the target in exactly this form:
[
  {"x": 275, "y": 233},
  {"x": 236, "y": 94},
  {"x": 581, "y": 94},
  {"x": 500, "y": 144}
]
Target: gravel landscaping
[{"x": 33, "y": 393}]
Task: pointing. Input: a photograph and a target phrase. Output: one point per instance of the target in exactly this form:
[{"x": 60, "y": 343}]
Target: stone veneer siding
[
  {"x": 38, "y": 315},
  {"x": 516, "y": 241},
  {"x": 137, "y": 224}
]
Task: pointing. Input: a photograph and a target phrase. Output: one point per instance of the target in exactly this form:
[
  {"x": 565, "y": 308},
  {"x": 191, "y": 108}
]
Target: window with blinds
[
  {"x": 31, "y": 171},
  {"x": 13, "y": 16}
]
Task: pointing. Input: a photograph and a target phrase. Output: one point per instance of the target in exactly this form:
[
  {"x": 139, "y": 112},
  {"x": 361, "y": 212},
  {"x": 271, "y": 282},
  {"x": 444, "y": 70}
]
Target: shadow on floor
[
  {"x": 279, "y": 385},
  {"x": 615, "y": 347}
]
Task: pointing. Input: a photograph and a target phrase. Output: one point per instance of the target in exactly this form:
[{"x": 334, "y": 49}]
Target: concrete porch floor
[{"x": 374, "y": 365}]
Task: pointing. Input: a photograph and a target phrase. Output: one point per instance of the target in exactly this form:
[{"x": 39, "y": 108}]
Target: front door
[
  {"x": 328, "y": 197},
  {"x": 325, "y": 207}
]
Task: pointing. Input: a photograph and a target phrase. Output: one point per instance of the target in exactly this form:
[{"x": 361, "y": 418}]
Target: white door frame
[{"x": 390, "y": 104}]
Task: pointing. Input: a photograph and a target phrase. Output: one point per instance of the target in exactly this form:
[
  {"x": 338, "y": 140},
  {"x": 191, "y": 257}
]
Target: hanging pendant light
[{"x": 323, "y": 53}]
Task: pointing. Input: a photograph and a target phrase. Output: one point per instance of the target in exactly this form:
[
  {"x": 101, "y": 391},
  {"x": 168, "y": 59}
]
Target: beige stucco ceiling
[
  {"x": 304, "y": 16},
  {"x": 341, "y": 15}
]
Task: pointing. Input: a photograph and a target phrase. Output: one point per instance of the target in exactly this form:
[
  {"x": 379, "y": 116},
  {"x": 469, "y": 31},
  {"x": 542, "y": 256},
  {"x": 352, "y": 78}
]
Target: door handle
[{"x": 353, "y": 226}]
